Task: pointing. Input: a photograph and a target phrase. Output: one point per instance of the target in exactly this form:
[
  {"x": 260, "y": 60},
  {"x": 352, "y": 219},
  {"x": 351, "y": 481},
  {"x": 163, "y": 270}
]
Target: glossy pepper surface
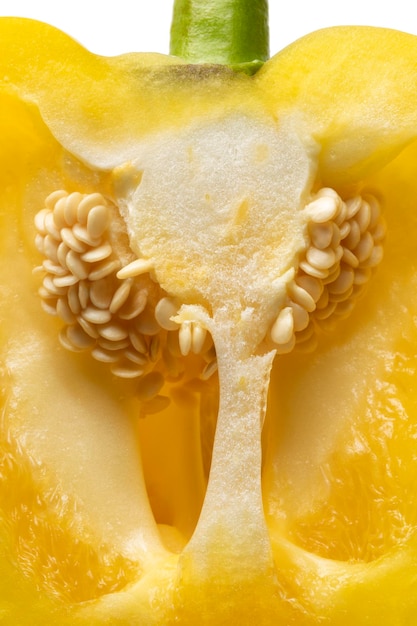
[{"x": 208, "y": 327}]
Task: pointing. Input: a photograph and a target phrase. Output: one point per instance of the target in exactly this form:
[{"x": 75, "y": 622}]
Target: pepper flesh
[{"x": 240, "y": 563}]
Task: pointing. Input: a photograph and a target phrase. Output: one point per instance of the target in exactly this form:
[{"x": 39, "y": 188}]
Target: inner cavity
[
  {"x": 114, "y": 309},
  {"x": 214, "y": 215}
]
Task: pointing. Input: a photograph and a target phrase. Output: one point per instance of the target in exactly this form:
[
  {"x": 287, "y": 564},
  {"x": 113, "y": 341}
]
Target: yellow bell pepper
[{"x": 202, "y": 421}]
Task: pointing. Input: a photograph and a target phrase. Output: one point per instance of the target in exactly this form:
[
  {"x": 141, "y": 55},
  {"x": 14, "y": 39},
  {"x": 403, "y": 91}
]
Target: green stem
[{"x": 227, "y": 32}]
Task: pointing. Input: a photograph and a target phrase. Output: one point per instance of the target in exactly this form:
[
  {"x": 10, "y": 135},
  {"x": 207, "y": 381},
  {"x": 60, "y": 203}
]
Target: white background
[{"x": 143, "y": 25}]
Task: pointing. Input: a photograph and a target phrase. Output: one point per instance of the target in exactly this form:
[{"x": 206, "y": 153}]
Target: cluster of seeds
[
  {"x": 110, "y": 309},
  {"x": 192, "y": 336},
  {"x": 116, "y": 312},
  {"x": 345, "y": 245}
]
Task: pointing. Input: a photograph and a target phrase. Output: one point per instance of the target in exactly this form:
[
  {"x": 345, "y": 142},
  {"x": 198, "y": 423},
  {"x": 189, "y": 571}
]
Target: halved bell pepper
[{"x": 208, "y": 309}]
